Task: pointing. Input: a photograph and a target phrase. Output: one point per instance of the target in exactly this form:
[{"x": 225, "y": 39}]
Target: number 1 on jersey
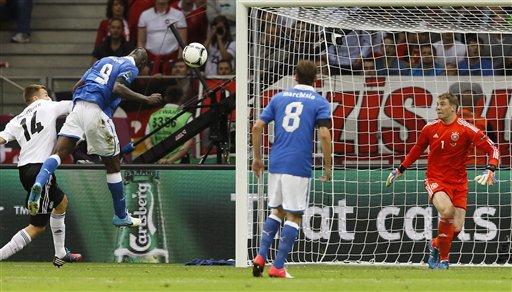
[{"x": 292, "y": 113}]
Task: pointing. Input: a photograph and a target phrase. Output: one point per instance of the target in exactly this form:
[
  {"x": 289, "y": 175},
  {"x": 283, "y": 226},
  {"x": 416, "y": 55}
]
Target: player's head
[
  {"x": 447, "y": 105},
  {"x": 34, "y": 92},
  {"x": 305, "y": 72},
  {"x": 173, "y": 94},
  {"x": 140, "y": 56}
]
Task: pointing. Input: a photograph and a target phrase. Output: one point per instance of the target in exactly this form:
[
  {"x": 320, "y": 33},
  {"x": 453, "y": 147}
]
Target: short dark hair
[
  {"x": 30, "y": 91},
  {"x": 110, "y": 4},
  {"x": 116, "y": 19},
  {"x": 140, "y": 55},
  {"x": 173, "y": 94},
  {"x": 306, "y": 72},
  {"x": 452, "y": 99}
]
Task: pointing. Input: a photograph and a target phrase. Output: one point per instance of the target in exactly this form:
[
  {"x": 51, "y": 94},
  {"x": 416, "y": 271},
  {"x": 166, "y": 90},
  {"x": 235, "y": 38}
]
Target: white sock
[
  {"x": 59, "y": 233},
  {"x": 18, "y": 242}
]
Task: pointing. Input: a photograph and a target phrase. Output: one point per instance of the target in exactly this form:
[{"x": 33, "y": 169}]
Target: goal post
[{"x": 378, "y": 110}]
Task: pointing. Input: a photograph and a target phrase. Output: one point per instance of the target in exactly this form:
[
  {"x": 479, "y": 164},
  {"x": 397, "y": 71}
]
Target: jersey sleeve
[
  {"x": 142, "y": 20},
  {"x": 324, "y": 111},
  {"x": 182, "y": 22},
  {"x": 481, "y": 141},
  {"x": 128, "y": 73},
  {"x": 268, "y": 113},
  {"x": 63, "y": 107},
  {"x": 418, "y": 148},
  {"x": 8, "y": 134}
]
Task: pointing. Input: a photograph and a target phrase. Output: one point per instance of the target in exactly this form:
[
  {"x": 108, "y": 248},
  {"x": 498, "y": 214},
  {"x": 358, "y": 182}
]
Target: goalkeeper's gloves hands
[
  {"x": 396, "y": 173},
  {"x": 487, "y": 176}
]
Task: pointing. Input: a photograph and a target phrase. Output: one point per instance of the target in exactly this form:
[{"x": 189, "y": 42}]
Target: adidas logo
[
  {"x": 436, "y": 136},
  {"x": 58, "y": 231}
]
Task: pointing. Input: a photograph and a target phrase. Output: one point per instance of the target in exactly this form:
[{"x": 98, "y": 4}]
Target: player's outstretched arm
[
  {"x": 414, "y": 154},
  {"x": 325, "y": 140},
  {"x": 257, "y": 163},
  {"x": 481, "y": 141},
  {"x": 124, "y": 91}
]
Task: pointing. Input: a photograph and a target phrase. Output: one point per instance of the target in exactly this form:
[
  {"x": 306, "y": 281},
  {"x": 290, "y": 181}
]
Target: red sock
[{"x": 444, "y": 238}]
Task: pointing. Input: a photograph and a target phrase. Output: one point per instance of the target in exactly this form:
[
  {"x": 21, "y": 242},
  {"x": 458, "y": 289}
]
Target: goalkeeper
[{"x": 449, "y": 139}]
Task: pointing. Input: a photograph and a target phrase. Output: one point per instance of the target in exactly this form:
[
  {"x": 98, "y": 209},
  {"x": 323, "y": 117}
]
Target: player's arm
[
  {"x": 7, "y": 134},
  {"x": 411, "y": 157},
  {"x": 326, "y": 142},
  {"x": 267, "y": 115},
  {"x": 482, "y": 142},
  {"x": 122, "y": 90},
  {"x": 82, "y": 80},
  {"x": 257, "y": 131}
]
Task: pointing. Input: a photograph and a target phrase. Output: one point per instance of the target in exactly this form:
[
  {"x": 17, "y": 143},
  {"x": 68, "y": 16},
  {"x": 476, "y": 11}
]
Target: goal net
[{"x": 381, "y": 68}]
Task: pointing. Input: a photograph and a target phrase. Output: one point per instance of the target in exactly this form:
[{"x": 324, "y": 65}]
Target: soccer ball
[{"x": 195, "y": 55}]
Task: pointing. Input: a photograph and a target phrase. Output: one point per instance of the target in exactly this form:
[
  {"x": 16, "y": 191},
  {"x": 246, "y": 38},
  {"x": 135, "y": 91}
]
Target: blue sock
[
  {"x": 270, "y": 228},
  {"x": 289, "y": 234},
  {"x": 47, "y": 169},
  {"x": 115, "y": 185}
]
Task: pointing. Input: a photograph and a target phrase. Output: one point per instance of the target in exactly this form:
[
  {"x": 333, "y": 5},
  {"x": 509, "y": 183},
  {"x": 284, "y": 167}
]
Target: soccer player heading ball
[
  {"x": 449, "y": 139},
  {"x": 96, "y": 96},
  {"x": 296, "y": 112}
]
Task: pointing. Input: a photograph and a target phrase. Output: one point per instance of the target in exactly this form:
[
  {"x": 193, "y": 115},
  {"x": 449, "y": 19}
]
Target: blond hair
[{"x": 32, "y": 90}]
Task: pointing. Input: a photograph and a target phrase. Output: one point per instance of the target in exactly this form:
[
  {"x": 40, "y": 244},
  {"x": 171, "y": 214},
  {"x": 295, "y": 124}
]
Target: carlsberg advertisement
[{"x": 190, "y": 213}]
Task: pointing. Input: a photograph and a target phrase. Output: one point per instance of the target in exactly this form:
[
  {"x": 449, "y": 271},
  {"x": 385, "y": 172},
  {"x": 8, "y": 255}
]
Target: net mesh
[{"x": 382, "y": 68}]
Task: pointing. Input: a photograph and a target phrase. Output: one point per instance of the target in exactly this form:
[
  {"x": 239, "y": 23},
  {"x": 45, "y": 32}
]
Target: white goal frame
[{"x": 242, "y": 123}]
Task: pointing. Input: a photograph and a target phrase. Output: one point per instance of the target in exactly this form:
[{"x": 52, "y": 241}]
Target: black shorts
[{"x": 51, "y": 196}]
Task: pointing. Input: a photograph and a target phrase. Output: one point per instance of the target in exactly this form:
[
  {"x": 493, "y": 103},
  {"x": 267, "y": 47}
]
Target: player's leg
[
  {"x": 65, "y": 146},
  {"x": 58, "y": 227},
  {"x": 20, "y": 240},
  {"x": 459, "y": 217},
  {"x": 295, "y": 199},
  {"x": 289, "y": 234},
  {"x": 102, "y": 140},
  {"x": 446, "y": 227},
  {"x": 115, "y": 185},
  {"x": 271, "y": 224}
]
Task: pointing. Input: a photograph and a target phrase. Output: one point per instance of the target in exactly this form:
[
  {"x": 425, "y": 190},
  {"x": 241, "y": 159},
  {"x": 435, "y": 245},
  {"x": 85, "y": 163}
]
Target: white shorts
[
  {"x": 288, "y": 191},
  {"x": 87, "y": 121}
]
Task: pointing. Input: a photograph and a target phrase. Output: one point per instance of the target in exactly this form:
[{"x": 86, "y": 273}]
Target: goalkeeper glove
[
  {"x": 487, "y": 176},
  {"x": 396, "y": 173}
]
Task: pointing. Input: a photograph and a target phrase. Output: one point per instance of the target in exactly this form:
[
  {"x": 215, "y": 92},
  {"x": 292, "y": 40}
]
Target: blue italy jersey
[
  {"x": 99, "y": 81},
  {"x": 295, "y": 113}
]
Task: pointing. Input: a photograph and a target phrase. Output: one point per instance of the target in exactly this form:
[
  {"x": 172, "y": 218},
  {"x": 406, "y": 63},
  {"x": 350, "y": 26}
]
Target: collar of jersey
[
  {"x": 304, "y": 87},
  {"x": 130, "y": 58}
]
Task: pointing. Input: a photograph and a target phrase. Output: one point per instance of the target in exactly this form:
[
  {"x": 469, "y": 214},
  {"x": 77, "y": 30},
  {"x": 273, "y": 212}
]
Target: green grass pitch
[{"x": 149, "y": 277}]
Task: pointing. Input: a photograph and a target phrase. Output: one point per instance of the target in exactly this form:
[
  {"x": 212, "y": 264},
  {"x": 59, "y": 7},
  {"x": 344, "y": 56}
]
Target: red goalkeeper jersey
[{"x": 449, "y": 146}]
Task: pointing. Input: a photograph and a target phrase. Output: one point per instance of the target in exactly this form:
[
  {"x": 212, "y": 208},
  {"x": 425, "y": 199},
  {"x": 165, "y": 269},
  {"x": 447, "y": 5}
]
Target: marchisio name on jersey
[{"x": 295, "y": 113}]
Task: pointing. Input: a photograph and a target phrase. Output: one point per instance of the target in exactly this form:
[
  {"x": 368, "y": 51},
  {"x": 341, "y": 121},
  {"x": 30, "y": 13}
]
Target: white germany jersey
[{"x": 35, "y": 131}]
